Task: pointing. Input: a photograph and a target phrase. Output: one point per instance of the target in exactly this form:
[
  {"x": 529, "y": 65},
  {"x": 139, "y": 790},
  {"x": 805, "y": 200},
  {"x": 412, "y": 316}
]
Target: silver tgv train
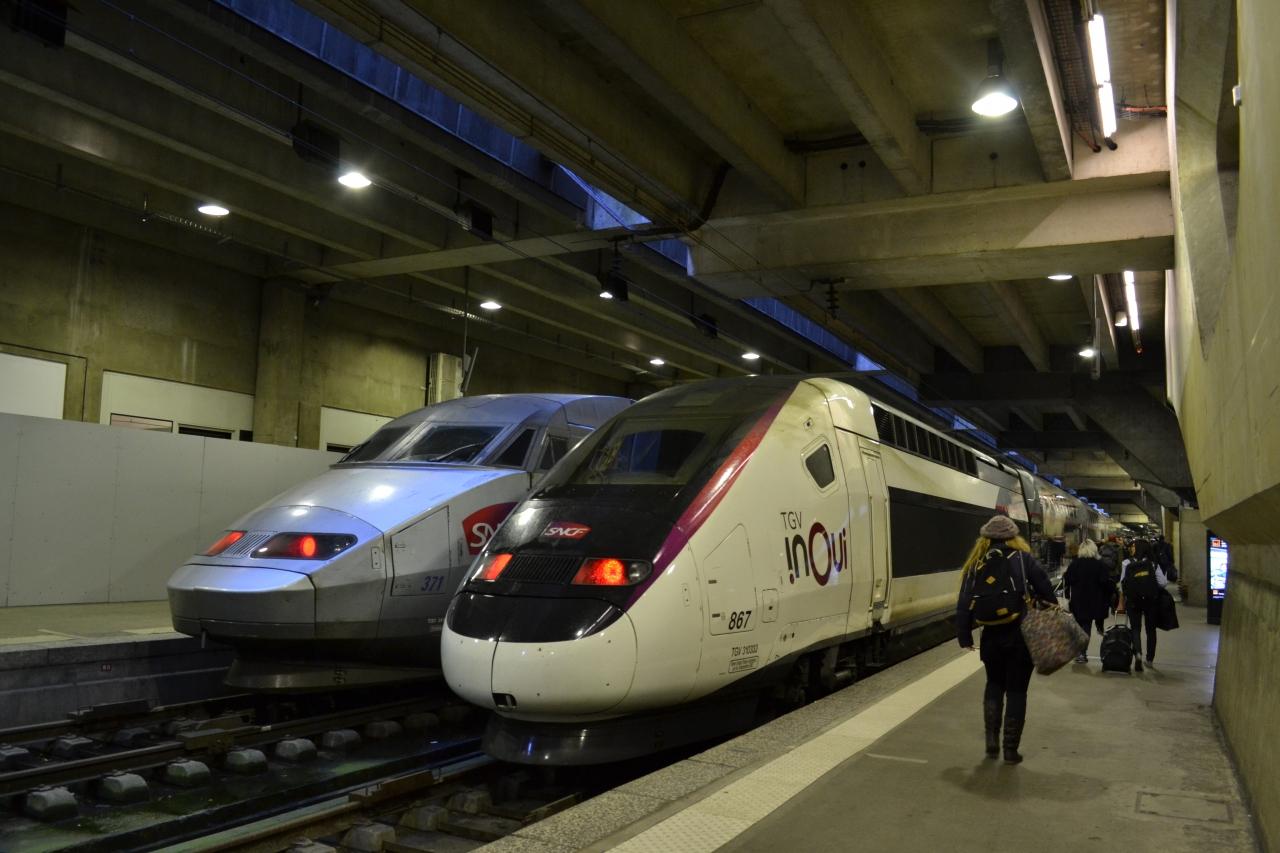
[
  {"x": 710, "y": 541},
  {"x": 343, "y": 580}
]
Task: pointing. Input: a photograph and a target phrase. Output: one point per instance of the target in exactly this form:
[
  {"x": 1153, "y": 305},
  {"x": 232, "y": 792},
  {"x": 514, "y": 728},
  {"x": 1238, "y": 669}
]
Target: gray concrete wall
[
  {"x": 98, "y": 302},
  {"x": 1224, "y": 347},
  {"x": 1193, "y": 563}
]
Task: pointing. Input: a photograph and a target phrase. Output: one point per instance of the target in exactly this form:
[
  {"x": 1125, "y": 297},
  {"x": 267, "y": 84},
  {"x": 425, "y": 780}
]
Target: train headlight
[
  {"x": 610, "y": 571},
  {"x": 304, "y": 546},
  {"x": 491, "y": 567},
  {"x": 228, "y": 539}
]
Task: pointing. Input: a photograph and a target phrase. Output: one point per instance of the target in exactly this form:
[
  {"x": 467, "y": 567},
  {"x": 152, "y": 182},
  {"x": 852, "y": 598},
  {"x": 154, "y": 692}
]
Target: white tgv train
[
  {"x": 709, "y": 541},
  {"x": 343, "y": 580}
]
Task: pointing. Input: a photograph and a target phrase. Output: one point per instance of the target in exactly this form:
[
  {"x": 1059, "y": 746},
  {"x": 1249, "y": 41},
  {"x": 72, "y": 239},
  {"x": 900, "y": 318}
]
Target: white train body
[
  {"x": 778, "y": 517},
  {"x": 392, "y": 529}
]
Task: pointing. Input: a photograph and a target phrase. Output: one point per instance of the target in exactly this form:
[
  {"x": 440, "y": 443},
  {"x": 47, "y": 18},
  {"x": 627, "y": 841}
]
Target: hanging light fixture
[
  {"x": 994, "y": 96},
  {"x": 1102, "y": 76}
]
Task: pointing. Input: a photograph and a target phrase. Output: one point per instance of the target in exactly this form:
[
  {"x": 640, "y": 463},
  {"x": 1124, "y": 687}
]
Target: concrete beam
[
  {"x": 1030, "y": 417},
  {"x": 655, "y": 52},
  {"x": 1098, "y": 225},
  {"x": 1022, "y": 324},
  {"x": 1081, "y": 422},
  {"x": 1030, "y": 64},
  {"x": 841, "y": 47},
  {"x": 932, "y": 317},
  {"x": 1097, "y": 304},
  {"x": 873, "y": 327},
  {"x": 958, "y": 389},
  {"x": 1027, "y": 439},
  {"x": 494, "y": 56}
]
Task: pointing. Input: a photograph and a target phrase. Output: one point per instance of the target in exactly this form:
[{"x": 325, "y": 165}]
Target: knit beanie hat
[{"x": 999, "y": 528}]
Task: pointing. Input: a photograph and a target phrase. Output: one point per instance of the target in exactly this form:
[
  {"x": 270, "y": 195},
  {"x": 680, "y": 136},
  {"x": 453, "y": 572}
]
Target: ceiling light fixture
[
  {"x": 751, "y": 356},
  {"x": 1088, "y": 352},
  {"x": 606, "y": 294},
  {"x": 1131, "y": 299},
  {"x": 1122, "y": 319},
  {"x": 211, "y": 209},
  {"x": 657, "y": 362},
  {"x": 490, "y": 305},
  {"x": 1102, "y": 76},
  {"x": 994, "y": 96},
  {"x": 353, "y": 179},
  {"x": 1061, "y": 276}
]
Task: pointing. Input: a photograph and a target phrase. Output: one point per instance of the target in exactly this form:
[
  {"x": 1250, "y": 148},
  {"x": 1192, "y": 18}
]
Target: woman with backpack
[
  {"x": 1089, "y": 589},
  {"x": 1140, "y": 583},
  {"x": 998, "y": 576}
]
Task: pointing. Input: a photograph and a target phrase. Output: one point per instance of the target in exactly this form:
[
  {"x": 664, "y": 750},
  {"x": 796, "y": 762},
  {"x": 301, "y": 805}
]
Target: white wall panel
[
  {"x": 195, "y": 405},
  {"x": 90, "y": 514},
  {"x": 339, "y": 426},
  {"x": 63, "y": 516},
  {"x": 32, "y": 386},
  {"x": 157, "y": 507},
  {"x": 9, "y": 428}
]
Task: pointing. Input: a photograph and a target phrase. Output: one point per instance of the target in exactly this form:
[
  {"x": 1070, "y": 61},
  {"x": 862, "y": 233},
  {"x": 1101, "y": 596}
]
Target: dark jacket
[
  {"x": 1020, "y": 564},
  {"x": 1109, "y": 554},
  {"x": 1089, "y": 588}
]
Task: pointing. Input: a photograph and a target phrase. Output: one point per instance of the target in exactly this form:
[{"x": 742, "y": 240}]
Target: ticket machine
[{"x": 1219, "y": 560}]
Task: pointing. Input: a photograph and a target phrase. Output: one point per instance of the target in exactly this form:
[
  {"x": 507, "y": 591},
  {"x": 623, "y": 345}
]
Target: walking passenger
[
  {"x": 998, "y": 576},
  {"x": 1089, "y": 591},
  {"x": 1141, "y": 588}
]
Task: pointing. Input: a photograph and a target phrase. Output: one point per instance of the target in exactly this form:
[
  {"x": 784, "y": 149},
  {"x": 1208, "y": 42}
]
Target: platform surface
[
  {"x": 55, "y": 623},
  {"x": 896, "y": 763}
]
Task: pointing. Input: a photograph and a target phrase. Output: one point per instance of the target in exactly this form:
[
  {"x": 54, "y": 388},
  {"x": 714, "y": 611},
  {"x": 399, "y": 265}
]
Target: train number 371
[{"x": 738, "y": 620}]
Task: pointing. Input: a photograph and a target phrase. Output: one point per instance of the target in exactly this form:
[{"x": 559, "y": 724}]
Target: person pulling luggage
[
  {"x": 1141, "y": 586},
  {"x": 997, "y": 577}
]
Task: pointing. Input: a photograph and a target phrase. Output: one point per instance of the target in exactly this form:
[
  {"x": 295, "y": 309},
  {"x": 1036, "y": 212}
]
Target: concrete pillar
[
  {"x": 278, "y": 393},
  {"x": 1193, "y": 561}
]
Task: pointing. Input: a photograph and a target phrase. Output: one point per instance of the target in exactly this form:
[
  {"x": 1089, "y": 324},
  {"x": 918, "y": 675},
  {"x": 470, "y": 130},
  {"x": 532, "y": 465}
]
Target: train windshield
[
  {"x": 460, "y": 444},
  {"x": 657, "y": 455}
]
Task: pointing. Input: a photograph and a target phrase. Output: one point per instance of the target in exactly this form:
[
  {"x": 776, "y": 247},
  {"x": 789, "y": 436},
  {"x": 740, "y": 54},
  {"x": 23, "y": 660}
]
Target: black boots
[
  {"x": 1012, "y": 737},
  {"x": 992, "y": 709}
]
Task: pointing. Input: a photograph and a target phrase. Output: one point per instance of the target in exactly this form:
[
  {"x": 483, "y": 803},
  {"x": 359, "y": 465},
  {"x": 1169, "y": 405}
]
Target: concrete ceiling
[{"x": 797, "y": 147}]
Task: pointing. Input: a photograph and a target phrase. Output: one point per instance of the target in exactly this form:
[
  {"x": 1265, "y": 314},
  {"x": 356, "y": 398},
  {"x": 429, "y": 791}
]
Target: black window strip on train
[
  {"x": 931, "y": 534},
  {"x": 901, "y": 433}
]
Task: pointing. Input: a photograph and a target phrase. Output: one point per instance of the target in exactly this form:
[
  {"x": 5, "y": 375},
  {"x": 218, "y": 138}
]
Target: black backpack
[
  {"x": 994, "y": 598},
  {"x": 1140, "y": 580}
]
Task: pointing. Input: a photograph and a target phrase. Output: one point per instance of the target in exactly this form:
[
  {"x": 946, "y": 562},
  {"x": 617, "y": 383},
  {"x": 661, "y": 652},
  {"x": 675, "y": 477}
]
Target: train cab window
[
  {"x": 513, "y": 456},
  {"x": 448, "y": 443},
  {"x": 555, "y": 449},
  {"x": 376, "y": 444},
  {"x": 820, "y": 468}
]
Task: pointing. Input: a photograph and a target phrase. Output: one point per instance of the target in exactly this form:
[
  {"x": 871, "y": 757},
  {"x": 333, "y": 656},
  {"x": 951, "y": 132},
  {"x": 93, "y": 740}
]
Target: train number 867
[{"x": 738, "y": 620}]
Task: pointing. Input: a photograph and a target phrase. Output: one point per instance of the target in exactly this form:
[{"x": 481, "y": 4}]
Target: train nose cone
[{"x": 559, "y": 678}]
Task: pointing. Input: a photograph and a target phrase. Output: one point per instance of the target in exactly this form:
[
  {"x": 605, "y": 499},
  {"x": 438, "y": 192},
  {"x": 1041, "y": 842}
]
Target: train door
[
  {"x": 860, "y": 572},
  {"x": 878, "y": 498}
]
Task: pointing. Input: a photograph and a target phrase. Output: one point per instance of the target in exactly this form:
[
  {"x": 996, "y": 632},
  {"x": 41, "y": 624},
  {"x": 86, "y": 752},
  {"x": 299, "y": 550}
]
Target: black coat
[{"x": 1089, "y": 588}]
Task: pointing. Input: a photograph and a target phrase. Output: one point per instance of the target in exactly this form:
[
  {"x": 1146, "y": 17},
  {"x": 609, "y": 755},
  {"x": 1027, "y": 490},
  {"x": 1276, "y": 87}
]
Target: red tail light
[
  {"x": 228, "y": 539},
  {"x": 304, "y": 546},
  {"x": 610, "y": 571},
  {"x": 492, "y": 567}
]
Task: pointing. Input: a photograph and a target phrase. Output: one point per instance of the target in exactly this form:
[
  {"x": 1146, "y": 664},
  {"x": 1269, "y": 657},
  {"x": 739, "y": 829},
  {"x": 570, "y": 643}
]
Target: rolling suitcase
[{"x": 1117, "y": 649}]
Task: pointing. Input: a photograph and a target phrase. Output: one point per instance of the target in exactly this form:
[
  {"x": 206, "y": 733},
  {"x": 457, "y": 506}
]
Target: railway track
[{"x": 128, "y": 777}]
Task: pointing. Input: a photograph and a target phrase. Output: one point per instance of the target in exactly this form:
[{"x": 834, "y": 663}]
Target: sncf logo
[
  {"x": 565, "y": 530},
  {"x": 479, "y": 527}
]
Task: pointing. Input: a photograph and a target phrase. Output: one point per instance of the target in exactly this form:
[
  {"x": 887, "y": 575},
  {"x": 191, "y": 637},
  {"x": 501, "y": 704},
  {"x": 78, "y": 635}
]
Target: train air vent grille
[
  {"x": 541, "y": 568},
  {"x": 245, "y": 544}
]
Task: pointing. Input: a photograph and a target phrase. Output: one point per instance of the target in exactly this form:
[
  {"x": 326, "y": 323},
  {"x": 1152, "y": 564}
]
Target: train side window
[
  {"x": 513, "y": 456},
  {"x": 556, "y": 448},
  {"x": 820, "y": 468},
  {"x": 884, "y": 424},
  {"x": 935, "y": 448}
]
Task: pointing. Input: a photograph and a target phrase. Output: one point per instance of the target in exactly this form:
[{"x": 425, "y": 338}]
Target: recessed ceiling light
[
  {"x": 355, "y": 180},
  {"x": 657, "y": 362},
  {"x": 490, "y": 305},
  {"x": 1088, "y": 352},
  {"x": 209, "y": 209},
  {"x": 1061, "y": 276},
  {"x": 751, "y": 356}
]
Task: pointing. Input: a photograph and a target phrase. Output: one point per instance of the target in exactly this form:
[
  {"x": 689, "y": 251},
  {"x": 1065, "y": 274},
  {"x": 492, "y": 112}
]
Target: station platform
[
  {"x": 55, "y": 659},
  {"x": 896, "y": 762}
]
